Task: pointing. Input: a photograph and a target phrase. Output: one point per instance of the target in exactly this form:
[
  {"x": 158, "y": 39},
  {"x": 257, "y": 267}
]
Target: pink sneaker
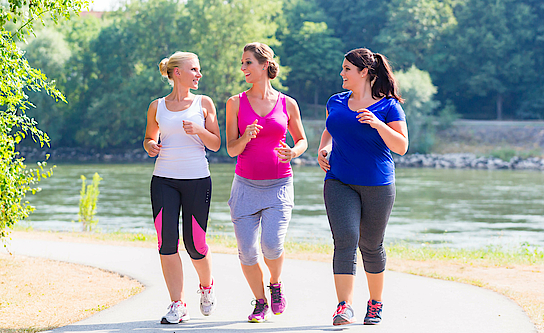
[
  {"x": 260, "y": 313},
  {"x": 278, "y": 301}
]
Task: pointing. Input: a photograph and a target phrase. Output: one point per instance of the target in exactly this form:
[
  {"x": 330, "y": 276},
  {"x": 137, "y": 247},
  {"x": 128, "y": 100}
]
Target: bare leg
[
  {"x": 173, "y": 275},
  {"x": 275, "y": 266},
  {"x": 254, "y": 277},
  {"x": 375, "y": 285},
  {"x": 345, "y": 285},
  {"x": 203, "y": 268}
]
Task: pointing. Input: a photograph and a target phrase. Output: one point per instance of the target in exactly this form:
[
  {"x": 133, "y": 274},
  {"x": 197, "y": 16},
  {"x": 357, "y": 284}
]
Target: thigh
[
  {"x": 343, "y": 205},
  {"x": 166, "y": 203},
  {"x": 195, "y": 206},
  {"x": 377, "y": 204}
]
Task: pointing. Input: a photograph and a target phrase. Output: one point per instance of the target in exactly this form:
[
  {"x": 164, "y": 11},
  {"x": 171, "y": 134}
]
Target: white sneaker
[
  {"x": 177, "y": 313},
  {"x": 207, "y": 300}
]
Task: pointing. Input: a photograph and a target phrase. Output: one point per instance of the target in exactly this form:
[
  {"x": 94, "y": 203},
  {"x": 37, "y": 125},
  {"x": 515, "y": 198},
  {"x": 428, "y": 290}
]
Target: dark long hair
[{"x": 380, "y": 73}]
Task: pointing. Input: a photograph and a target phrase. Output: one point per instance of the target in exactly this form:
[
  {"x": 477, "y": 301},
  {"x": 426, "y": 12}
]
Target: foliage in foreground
[{"x": 16, "y": 78}]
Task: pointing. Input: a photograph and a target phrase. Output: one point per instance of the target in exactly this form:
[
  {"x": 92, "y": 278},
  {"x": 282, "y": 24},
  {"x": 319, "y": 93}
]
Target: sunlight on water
[{"x": 468, "y": 208}]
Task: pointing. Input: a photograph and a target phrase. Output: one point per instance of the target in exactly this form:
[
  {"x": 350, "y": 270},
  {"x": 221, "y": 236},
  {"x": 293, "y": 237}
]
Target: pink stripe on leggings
[
  {"x": 158, "y": 227},
  {"x": 199, "y": 238}
]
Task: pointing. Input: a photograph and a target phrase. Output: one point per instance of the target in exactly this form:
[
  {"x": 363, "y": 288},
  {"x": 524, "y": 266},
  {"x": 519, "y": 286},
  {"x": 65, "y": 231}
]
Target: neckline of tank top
[
  {"x": 269, "y": 112},
  {"x": 190, "y": 106},
  {"x": 346, "y": 102}
]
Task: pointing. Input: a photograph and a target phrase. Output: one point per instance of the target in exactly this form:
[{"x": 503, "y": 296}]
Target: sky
[{"x": 103, "y": 5}]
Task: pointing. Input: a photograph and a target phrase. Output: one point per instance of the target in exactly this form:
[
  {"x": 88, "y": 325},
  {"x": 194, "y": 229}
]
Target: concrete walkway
[{"x": 411, "y": 303}]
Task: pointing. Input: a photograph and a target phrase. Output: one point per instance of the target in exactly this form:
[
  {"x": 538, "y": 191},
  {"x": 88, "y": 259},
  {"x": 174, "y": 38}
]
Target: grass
[{"x": 523, "y": 254}]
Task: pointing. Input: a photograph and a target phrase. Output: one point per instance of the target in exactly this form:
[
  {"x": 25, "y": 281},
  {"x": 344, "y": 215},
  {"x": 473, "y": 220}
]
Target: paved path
[{"x": 411, "y": 303}]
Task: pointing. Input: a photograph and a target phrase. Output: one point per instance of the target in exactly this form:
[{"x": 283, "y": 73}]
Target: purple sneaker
[
  {"x": 260, "y": 313},
  {"x": 373, "y": 312},
  {"x": 278, "y": 301}
]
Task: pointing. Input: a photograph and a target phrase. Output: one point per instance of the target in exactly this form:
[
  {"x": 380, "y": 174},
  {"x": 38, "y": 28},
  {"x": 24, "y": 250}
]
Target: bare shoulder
[
  {"x": 153, "y": 106},
  {"x": 207, "y": 102},
  {"x": 291, "y": 102},
  {"x": 234, "y": 101}
]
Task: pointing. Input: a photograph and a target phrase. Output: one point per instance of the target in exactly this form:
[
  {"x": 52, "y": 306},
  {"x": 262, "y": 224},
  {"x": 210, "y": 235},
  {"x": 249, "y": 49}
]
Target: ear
[
  {"x": 364, "y": 72},
  {"x": 265, "y": 66},
  {"x": 176, "y": 71}
]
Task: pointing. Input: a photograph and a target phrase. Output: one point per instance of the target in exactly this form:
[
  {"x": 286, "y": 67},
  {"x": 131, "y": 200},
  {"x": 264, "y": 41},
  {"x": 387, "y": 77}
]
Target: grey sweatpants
[
  {"x": 265, "y": 203},
  {"x": 358, "y": 216}
]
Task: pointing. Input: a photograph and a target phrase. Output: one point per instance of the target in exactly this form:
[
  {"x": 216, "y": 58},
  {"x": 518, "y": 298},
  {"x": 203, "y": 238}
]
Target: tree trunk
[
  {"x": 315, "y": 95},
  {"x": 499, "y": 106}
]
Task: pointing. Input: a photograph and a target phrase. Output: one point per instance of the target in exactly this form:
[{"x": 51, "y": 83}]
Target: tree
[
  {"x": 412, "y": 28},
  {"x": 16, "y": 75},
  {"x": 488, "y": 58},
  {"x": 314, "y": 56},
  {"x": 418, "y": 91}
]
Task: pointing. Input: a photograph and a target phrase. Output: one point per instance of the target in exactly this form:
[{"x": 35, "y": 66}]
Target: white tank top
[{"x": 182, "y": 156}]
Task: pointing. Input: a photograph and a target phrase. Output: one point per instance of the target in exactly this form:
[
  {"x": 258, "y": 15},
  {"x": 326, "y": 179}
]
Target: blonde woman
[{"x": 186, "y": 125}]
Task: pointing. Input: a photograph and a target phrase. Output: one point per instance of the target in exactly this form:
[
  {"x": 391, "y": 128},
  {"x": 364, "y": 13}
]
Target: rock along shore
[{"x": 442, "y": 161}]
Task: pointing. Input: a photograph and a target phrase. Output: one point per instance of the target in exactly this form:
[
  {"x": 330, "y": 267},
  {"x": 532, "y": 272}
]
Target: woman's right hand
[
  {"x": 252, "y": 130},
  {"x": 322, "y": 159},
  {"x": 153, "y": 148}
]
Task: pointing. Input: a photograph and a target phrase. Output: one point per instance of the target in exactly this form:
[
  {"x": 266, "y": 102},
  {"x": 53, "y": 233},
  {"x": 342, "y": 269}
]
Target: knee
[
  {"x": 248, "y": 256},
  {"x": 272, "y": 250}
]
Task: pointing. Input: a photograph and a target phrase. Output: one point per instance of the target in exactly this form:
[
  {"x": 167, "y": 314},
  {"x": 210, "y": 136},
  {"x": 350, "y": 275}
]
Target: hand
[
  {"x": 285, "y": 153},
  {"x": 367, "y": 117},
  {"x": 191, "y": 128},
  {"x": 153, "y": 148},
  {"x": 252, "y": 130},
  {"x": 322, "y": 159}
]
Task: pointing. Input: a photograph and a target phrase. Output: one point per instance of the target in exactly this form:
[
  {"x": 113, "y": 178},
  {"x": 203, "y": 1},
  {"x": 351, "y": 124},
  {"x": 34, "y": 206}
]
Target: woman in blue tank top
[{"x": 364, "y": 124}]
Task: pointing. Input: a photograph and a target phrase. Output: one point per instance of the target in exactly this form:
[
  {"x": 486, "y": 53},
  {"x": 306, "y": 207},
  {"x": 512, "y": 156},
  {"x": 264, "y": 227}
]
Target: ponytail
[
  {"x": 381, "y": 76},
  {"x": 385, "y": 84}
]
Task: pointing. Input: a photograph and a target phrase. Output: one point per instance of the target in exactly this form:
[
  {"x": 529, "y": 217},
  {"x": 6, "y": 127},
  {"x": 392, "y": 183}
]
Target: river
[{"x": 434, "y": 207}]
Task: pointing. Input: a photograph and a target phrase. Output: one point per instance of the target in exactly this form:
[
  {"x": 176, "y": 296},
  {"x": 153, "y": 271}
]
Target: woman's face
[
  {"x": 351, "y": 75},
  {"x": 253, "y": 71},
  {"x": 189, "y": 73}
]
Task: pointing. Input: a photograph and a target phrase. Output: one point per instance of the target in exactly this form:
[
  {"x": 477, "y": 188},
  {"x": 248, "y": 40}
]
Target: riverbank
[
  {"x": 444, "y": 161},
  {"x": 515, "y": 273}
]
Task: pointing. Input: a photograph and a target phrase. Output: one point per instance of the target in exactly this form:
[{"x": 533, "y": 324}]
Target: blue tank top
[{"x": 359, "y": 155}]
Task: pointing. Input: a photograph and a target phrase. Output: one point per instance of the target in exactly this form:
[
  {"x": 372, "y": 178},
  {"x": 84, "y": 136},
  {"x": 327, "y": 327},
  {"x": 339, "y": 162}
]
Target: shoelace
[
  {"x": 275, "y": 293},
  {"x": 206, "y": 294},
  {"x": 259, "y": 307},
  {"x": 340, "y": 309},
  {"x": 373, "y": 310}
]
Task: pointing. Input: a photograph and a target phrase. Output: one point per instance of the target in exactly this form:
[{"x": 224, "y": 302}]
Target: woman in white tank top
[{"x": 187, "y": 125}]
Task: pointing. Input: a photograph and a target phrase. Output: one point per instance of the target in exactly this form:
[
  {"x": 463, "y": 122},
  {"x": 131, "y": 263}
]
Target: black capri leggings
[
  {"x": 358, "y": 216},
  {"x": 192, "y": 196}
]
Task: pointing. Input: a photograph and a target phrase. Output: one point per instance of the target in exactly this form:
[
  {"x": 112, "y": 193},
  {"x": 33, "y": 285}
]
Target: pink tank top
[{"x": 259, "y": 160}]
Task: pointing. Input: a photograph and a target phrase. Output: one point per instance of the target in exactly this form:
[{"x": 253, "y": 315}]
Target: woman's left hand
[
  {"x": 367, "y": 117},
  {"x": 285, "y": 153}
]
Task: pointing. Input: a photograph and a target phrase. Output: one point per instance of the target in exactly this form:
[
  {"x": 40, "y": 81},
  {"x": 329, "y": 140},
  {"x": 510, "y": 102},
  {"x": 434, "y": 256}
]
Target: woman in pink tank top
[{"x": 262, "y": 190}]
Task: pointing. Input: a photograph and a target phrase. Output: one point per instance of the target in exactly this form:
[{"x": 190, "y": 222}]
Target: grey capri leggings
[
  {"x": 358, "y": 216},
  {"x": 266, "y": 203}
]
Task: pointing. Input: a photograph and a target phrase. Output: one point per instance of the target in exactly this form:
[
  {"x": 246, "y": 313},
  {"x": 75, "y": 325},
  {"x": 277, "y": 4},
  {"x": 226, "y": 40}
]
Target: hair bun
[
  {"x": 273, "y": 69},
  {"x": 163, "y": 67}
]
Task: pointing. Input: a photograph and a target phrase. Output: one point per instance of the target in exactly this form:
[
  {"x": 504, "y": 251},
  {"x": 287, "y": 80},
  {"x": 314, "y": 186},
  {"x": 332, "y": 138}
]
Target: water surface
[{"x": 459, "y": 208}]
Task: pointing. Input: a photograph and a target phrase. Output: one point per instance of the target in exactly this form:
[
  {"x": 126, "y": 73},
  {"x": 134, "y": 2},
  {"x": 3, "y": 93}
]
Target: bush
[{"x": 87, "y": 202}]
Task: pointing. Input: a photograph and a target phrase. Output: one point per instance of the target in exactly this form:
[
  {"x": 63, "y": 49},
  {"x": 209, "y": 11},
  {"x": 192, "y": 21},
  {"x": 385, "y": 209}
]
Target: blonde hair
[
  {"x": 263, "y": 53},
  {"x": 167, "y": 65}
]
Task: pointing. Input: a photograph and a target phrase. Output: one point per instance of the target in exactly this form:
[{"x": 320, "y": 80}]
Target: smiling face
[
  {"x": 351, "y": 75},
  {"x": 188, "y": 74},
  {"x": 253, "y": 71}
]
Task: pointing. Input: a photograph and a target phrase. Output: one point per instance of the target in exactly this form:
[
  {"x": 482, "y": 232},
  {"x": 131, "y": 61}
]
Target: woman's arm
[
  {"x": 236, "y": 143},
  {"x": 152, "y": 131},
  {"x": 325, "y": 147},
  {"x": 394, "y": 134},
  {"x": 286, "y": 153},
  {"x": 209, "y": 134}
]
